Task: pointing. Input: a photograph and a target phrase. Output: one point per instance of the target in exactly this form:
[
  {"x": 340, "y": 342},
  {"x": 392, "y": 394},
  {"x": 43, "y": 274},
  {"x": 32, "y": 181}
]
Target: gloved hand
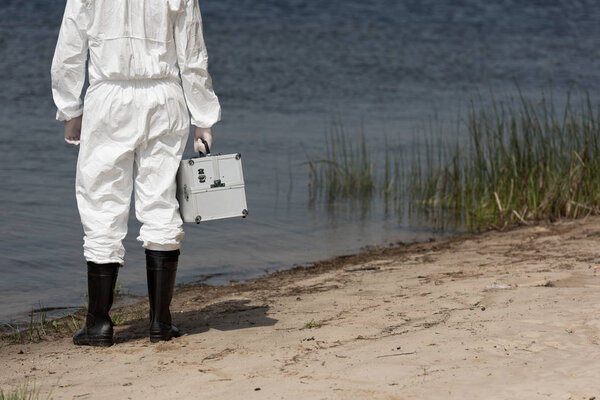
[
  {"x": 199, "y": 134},
  {"x": 73, "y": 130}
]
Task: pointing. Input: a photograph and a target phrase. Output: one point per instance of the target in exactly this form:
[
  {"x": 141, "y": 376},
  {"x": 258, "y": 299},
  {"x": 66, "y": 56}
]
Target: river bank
[{"x": 505, "y": 315}]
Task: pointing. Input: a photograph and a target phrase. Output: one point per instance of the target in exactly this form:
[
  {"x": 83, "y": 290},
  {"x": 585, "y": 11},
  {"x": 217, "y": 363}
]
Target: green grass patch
[
  {"x": 118, "y": 319},
  {"x": 312, "y": 324},
  {"x": 40, "y": 327}
]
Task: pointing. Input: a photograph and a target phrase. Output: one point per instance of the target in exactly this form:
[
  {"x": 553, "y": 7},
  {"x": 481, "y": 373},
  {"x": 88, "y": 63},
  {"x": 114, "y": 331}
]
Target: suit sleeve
[
  {"x": 192, "y": 59},
  {"x": 68, "y": 64}
]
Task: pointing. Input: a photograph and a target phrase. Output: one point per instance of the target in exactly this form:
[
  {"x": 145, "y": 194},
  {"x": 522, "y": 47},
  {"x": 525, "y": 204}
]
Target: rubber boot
[
  {"x": 98, "y": 329},
  {"x": 161, "y": 268}
]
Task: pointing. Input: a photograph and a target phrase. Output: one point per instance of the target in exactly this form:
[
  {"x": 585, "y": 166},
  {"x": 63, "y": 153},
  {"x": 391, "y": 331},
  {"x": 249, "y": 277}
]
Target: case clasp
[{"x": 217, "y": 183}]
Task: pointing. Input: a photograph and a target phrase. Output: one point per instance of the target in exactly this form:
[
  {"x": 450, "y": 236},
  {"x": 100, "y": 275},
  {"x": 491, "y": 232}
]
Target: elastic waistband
[{"x": 143, "y": 82}]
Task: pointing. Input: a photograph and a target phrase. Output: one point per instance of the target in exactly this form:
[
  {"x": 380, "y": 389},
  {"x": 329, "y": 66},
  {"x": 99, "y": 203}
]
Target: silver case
[{"x": 208, "y": 200}]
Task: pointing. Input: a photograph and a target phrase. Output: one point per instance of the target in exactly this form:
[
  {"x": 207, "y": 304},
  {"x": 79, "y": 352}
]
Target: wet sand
[{"x": 501, "y": 315}]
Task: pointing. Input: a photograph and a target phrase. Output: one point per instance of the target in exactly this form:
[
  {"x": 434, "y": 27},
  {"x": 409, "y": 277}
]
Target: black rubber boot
[
  {"x": 161, "y": 268},
  {"x": 98, "y": 329}
]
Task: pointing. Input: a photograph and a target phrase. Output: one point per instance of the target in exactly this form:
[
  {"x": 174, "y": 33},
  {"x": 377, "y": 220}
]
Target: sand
[{"x": 501, "y": 315}]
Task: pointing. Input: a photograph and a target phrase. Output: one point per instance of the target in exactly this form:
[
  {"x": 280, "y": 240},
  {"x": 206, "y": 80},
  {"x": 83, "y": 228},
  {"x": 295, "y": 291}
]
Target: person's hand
[
  {"x": 73, "y": 130},
  {"x": 202, "y": 134}
]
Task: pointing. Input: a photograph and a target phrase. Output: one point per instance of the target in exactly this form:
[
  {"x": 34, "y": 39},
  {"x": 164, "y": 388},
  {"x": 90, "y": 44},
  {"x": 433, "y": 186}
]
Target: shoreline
[
  {"x": 509, "y": 314},
  {"x": 370, "y": 253}
]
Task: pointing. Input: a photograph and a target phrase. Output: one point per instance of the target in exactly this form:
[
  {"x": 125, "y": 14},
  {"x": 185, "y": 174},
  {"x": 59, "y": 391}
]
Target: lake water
[{"x": 282, "y": 69}]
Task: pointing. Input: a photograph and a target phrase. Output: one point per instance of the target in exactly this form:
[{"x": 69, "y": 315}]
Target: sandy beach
[{"x": 501, "y": 315}]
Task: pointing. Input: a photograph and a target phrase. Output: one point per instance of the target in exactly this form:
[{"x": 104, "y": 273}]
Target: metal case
[{"x": 211, "y": 187}]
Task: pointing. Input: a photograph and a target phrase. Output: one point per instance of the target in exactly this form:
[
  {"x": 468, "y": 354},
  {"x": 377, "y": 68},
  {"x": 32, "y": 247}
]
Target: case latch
[{"x": 217, "y": 183}]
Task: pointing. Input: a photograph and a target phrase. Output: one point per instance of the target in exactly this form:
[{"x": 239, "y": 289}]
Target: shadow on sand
[{"x": 225, "y": 316}]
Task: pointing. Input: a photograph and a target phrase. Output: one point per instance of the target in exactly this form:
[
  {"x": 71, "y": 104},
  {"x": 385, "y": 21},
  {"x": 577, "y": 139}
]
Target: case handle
[{"x": 205, "y": 143}]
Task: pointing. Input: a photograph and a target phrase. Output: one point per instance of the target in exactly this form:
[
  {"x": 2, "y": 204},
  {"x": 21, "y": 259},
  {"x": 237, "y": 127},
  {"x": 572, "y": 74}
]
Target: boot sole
[
  {"x": 157, "y": 337},
  {"x": 160, "y": 338},
  {"x": 96, "y": 342}
]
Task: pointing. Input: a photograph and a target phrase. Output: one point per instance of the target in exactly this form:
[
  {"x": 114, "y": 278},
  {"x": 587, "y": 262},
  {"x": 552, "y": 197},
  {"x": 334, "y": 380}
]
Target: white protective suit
[{"x": 135, "y": 113}]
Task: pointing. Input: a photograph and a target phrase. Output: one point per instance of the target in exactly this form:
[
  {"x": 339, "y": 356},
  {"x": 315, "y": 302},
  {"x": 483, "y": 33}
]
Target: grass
[
  {"x": 345, "y": 171},
  {"x": 37, "y": 329},
  {"x": 511, "y": 163},
  {"x": 118, "y": 289},
  {"x": 312, "y": 324},
  {"x": 73, "y": 321},
  {"x": 24, "y": 392},
  {"x": 523, "y": 162},
  {"x": 118, "y": 319},
  {"x": 14, "y": 335}
]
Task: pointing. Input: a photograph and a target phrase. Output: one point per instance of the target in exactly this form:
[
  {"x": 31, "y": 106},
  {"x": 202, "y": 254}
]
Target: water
[{"x": 282, "y": 69}]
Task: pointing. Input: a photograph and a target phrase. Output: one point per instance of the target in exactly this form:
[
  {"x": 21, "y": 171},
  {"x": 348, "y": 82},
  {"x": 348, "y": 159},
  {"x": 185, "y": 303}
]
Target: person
[{"x": 147, "y": 68}]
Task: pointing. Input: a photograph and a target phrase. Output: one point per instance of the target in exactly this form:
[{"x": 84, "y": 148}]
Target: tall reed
[
  {"x": 522, "y": 163},
  {"x": 512, "y": 162},
  {"x": 344, "y": 172}
]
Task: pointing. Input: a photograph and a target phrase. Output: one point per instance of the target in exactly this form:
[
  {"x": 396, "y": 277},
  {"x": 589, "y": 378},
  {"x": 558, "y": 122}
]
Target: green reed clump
[
  {"x": 345, "y": 171},
  {"x": 521, "y": 163},
  {"x": 511, "y": 163}
]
